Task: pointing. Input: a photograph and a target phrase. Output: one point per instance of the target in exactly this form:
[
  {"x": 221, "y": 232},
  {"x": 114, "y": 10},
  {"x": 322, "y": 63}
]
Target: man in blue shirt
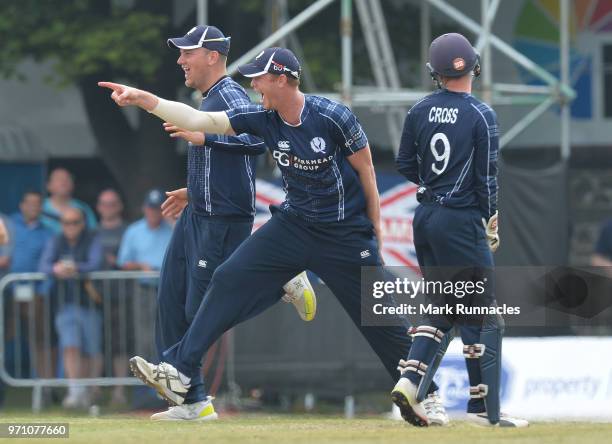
[
  {"x": 78, "y": 322},
  {"x": 6, "y": 244},
  {"x": 449, "y": 149},
  {"x": 145, "y": 241},
  {"x": 329, "y": 222},
  {"x": 29, "y": 235},
  {"x": 29, "y": 238}
]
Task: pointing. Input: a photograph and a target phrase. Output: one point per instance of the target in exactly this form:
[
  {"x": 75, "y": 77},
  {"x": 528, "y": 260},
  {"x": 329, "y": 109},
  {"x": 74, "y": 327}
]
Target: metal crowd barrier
[{"x": 34, "y": 313}]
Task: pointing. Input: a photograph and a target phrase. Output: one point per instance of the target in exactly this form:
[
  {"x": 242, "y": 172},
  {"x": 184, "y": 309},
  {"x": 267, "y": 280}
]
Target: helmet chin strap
[
  {"x": 476, "y": 70},
  {"x": 435, "y": 77}
]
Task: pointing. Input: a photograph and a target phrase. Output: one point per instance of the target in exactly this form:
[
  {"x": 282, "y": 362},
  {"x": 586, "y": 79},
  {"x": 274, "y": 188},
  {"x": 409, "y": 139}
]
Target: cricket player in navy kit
[
  {"x": 449, "y": 148},
  {"x": 216, "y": 209},
  {"x": 329, "y": 222}
]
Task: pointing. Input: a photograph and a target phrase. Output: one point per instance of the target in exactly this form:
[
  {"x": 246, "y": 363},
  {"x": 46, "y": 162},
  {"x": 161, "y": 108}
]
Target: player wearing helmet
[{"x": 449, "y": 148}]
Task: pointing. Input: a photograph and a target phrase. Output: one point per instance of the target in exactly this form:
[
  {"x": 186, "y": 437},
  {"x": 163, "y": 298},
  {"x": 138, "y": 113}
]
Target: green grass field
[{"x": 309, "y": 429}]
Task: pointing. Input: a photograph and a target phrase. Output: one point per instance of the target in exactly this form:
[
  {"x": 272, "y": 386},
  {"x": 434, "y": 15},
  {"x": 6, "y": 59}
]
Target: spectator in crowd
[
  {"x": 144, "y": 242},
  {"x": 110, "y": 231},
  {"x": 602, "y": 256},
  {"x": 29, "y": 240},
  {"x": 5, "y": 244},
  {"x": 29, "y": 234},
  {"x": 78, "y": 321},
  {"x": 112, "y": 226},
  {"x": 4, "y": 263},
  {"x": 61, "y": 187},
  {"x": 4, "y": 236}
]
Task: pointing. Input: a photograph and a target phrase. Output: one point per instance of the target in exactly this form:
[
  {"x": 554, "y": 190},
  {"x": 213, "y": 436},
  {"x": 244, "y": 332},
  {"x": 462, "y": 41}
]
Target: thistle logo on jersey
[
  {"x": 318, "y": 145},
  {"x": 283, "y": 145}
]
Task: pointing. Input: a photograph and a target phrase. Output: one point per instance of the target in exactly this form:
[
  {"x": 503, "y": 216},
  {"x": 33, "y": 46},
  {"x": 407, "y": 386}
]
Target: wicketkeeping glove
[{"x": 491, "y": 229}]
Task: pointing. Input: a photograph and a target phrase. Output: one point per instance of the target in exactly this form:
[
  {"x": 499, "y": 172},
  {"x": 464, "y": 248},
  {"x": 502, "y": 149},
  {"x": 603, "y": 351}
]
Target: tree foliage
[{"x": 82, "y": 38}]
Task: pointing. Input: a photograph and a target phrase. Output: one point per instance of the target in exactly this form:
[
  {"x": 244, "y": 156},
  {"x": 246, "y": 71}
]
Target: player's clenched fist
[
  {"x": 124, "y": 95},
  {"x": 195, "y": 137}
]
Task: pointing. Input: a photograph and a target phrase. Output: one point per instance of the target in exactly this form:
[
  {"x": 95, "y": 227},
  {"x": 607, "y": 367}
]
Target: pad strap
[
  {"x": 412, "y": 365},
  {"x": 479, "y": 391},
  {"x": 427, "y": 332},
  {"x": 473, "y": 351}
]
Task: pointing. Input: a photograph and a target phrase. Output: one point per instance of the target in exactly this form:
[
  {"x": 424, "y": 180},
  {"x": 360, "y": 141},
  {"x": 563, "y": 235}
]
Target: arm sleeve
[
  {"x": 94, "y": 257},
  {"x": 242, "y": 144},
  {"x": 191, "y": 119},
  {"x": 486, "y": 147},
  {"x": 407, "y": 161},
  {"x": 345, "y": 129}
]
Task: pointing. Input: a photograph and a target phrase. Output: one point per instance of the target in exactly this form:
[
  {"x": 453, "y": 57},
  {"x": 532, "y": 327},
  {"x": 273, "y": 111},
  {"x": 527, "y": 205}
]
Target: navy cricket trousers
[
  {"x": 447, "y": 240},
  {"x": 247, "y": 283},
  {"x": 198, "y": 246}
]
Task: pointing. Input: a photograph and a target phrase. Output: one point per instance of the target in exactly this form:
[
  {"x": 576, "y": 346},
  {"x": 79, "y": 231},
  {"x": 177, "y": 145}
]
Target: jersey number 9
[{"x": 440, "y": 157}]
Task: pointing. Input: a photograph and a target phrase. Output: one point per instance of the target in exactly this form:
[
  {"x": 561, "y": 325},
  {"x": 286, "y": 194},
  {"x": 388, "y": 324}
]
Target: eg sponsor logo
[{"x": 281, "y": 158}]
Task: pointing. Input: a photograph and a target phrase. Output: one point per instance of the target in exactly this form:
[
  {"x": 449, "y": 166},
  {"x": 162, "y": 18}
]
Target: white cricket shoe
[
  {"x": 198, "y": 411},
  {"x": 300, "y": 293},
  {"x": 436, "y": 413},
  {"x": 481, "y": 419},
  {"x": 404, "y": 396},
  {"x": 164, "y": 378}
]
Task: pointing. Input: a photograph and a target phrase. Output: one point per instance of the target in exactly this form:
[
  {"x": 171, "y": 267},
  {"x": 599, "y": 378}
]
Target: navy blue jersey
[
  {"x": 221, "y": 174},
  {"x": 450, "y": 144},
  {"x": 320, "y": 184}
]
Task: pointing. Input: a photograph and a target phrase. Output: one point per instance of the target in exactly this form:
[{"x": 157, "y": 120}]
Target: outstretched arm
[{"x": 174, "y": 112}]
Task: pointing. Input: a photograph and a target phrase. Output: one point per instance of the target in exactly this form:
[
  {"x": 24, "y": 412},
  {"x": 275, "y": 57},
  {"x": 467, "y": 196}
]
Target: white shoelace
[{"x": 433, "y": 404}]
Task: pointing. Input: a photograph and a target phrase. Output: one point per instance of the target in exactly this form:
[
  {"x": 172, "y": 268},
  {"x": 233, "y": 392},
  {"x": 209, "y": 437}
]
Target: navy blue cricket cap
[
  {"x": 201, "y": 36},
  {"x": 274, "y": 61},
  {"x": 452, "y": 55},
  {"x": 154, "y": 198}
]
